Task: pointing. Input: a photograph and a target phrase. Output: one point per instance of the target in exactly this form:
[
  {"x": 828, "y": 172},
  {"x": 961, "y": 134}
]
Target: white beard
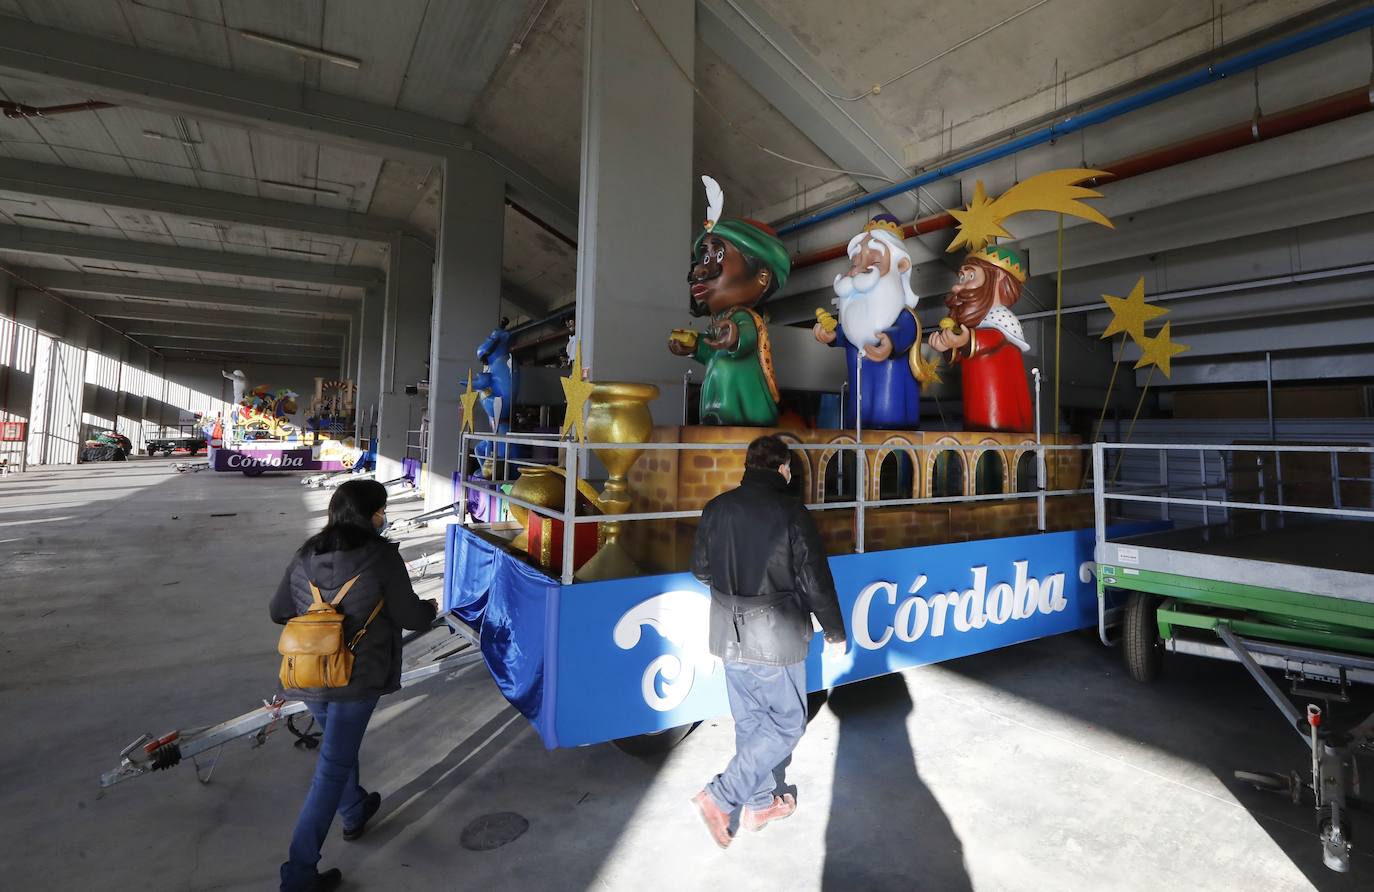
[{"x": 868, "y": 305}]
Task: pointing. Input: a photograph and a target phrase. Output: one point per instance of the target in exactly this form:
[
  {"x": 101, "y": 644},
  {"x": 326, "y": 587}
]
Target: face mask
[{"x": 385, "y": 525}]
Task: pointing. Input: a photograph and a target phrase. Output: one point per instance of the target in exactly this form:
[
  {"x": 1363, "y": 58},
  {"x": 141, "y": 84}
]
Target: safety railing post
[
  {"x": 1099, "y": 500},
  {"x": 860, "y": 478},
  {"x": 1202, "y": 483},
  {"x": 570, "y": 467},
  {"x": 1040, "y": 458},
  {"x": 1164, "y": 482},
  {"x": 1335, "y": 480},
  {"x": 461, "y": 491},
  {"x": 1278, "y": 483},
  {"x": 860, "y": 456}
]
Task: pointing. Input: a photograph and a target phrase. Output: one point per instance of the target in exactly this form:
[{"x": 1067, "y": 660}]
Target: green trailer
[{"x": 1285, "y": 590}]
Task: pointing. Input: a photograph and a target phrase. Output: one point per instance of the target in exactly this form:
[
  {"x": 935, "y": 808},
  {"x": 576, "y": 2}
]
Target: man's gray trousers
[{"x": 768, "y": 704}]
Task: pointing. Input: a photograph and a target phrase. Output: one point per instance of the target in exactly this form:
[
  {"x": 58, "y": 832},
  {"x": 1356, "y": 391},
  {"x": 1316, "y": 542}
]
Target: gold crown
[
  {"x": 890, "y": 225},
  {"x": 1003, "y": 258}
]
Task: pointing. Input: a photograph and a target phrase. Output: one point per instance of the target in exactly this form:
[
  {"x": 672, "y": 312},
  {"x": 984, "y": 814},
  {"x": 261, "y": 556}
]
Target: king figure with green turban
[{"x": 736, "y": 265}]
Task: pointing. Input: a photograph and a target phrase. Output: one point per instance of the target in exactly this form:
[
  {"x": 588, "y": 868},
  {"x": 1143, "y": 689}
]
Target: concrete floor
[{"x": 126, "y": 606}]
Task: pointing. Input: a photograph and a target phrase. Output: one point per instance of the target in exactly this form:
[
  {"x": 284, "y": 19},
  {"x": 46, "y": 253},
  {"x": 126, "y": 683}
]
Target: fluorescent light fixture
[
  {"x": 153, "y": 134},
  {"x": 300, "y": 251},
  {"x": 301, "y": 49},
  {"x": 48, "y": 219},
  {"x": 285, "y": 185}
]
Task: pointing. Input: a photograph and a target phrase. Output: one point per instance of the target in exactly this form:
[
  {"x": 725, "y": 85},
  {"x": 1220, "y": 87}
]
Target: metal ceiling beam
[
  {"x": 215, "y": 297},
  {"x": 121, "y": 73},
  {"x": 1316, "y": 332},
  {"x": 109, "y": 190},
  {"x": 1300, "y": 366},
  {"x": 55, "y": 243},
  {"x": 199, "y": 316},
  {"x": 230, "y": 345},
  {"x": 272, "y": 355},
  {"x": 774, "y": 62},
  {"x": 293, "y": 334},
  {"x": 301, "y": 342}
]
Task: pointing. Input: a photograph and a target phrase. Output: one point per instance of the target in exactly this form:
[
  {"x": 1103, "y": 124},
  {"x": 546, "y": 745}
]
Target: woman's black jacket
[{"x": 381, "y": 574}]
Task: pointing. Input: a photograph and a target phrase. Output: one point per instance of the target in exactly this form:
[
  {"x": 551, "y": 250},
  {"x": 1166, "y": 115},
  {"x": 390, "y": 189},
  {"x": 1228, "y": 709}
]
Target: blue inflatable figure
[{"x": 499, "y": 380}]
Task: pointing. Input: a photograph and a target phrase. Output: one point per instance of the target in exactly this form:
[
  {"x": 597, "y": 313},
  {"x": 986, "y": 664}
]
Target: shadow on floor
[
  {"x": 887, "y": 830},
  {"x": 1208, "y": 712}
]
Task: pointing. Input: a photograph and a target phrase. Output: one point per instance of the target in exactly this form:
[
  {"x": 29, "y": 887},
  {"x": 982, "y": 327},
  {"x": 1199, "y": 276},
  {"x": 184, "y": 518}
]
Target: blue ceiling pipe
[{"x": 1296, "y": 43}]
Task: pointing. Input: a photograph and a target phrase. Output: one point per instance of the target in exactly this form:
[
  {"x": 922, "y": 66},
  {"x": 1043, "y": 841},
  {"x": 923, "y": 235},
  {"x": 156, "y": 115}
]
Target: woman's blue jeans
[{"x": 334, "y": 789}]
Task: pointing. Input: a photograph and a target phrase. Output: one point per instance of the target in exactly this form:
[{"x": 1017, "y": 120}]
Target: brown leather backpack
[{"x": 312, "y": 648}]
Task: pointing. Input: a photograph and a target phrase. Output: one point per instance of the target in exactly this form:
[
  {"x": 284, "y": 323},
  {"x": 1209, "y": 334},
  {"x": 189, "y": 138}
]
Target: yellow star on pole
[
  {"x": 1158, "y": 350},
  {"x": 576, "y": 392},
  {"x": 469, "y": 401},
  {"x": 1129, "y": 314}
]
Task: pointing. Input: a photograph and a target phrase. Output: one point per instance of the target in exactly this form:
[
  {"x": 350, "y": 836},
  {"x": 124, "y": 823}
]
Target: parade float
[
  {"x": 260, "y": 433},
  {"x": 942, "y": 543}
]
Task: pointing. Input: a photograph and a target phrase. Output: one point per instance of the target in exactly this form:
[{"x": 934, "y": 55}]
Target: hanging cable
[
  {"x": 691, "y": 82},
  {"x": 879, "y": 87},
  {"x": 14, "y": 274},
  {"x": 835, "y": 101}
]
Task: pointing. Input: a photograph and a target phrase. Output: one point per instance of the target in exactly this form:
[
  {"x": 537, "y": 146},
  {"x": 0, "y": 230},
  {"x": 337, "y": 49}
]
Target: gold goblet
[
  {"x": 619, "y": 413},
  {"x": 543, "y": 485}
]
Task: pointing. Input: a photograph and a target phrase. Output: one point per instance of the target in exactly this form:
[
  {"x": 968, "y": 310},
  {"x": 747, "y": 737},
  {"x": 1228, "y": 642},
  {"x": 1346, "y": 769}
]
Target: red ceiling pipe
[
  {"x": 19, "y": 110},
  {"x": 1302, "y": 117},
  {"x": 920, "y": 227}
]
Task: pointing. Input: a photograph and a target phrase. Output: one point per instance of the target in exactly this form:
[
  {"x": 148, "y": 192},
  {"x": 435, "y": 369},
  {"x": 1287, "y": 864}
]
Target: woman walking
[{"x": 350, "y": 564}]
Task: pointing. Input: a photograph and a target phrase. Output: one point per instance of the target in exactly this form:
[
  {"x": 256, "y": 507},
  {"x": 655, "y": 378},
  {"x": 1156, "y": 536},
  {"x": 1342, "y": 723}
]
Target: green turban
[{"x": 757, "y": 243}]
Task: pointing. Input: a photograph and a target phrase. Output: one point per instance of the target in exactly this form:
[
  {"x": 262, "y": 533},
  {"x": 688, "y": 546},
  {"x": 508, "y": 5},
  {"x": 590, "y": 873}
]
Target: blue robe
[{"x": 891, "y": 395}]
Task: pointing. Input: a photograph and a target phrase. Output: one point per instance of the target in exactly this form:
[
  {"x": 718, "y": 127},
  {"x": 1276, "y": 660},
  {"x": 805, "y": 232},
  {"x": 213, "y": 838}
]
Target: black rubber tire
[
  {"x": 1269, "y": 781},
  {"x": 1140, "y": 641},
  {"x": 642, "y": 746},
  {"x": 256, "y": 471}
]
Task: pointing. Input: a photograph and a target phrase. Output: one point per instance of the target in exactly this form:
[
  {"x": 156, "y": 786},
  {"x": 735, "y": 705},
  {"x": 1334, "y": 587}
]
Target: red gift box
[{"x": 546, "y": 542}]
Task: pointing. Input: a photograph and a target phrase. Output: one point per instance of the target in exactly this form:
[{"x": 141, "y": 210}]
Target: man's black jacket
[{"x": 759, "y": 551}]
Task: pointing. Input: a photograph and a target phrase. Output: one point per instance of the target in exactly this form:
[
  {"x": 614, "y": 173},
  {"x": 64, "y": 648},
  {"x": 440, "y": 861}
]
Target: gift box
[{"x": 546, "y": 542}]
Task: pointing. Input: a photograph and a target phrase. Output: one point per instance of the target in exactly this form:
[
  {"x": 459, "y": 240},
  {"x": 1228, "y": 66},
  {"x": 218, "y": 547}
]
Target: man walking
[{"x": 759, "y": 552}]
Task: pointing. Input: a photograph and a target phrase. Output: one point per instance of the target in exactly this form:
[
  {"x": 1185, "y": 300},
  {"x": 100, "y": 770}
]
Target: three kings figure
[{"x": 736, "y": 265}]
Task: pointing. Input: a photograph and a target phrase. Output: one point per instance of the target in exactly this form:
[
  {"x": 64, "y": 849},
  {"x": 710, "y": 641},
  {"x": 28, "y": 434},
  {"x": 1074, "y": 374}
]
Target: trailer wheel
[
  {"x": 642, "y": 746},
  {"x": 1141, "y": 644}
]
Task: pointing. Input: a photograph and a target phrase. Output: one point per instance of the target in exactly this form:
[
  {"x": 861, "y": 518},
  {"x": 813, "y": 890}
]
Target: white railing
[
  {"x": 575, "y": 459},
  {"x": 1106, "y": 490}
]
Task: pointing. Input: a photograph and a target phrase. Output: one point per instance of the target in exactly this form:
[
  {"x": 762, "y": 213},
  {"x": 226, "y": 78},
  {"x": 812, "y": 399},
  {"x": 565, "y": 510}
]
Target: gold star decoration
[
  {"x": 1129, "y": 314},
  {"x": 1056, "y": 191},
  {"x": 1158, "y": 350},
  {"x": 576, "y": 392},
  {"x": 469, "y": 401}
]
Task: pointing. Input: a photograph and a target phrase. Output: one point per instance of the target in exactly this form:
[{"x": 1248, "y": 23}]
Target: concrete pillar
[
  {"x": 370, "y": 332},
  {"x": 467, "y": 304},
  {"x": 405, "y": 349},
  {"x": 8, "y": 353},
  {"x": 636, "y": 224}
]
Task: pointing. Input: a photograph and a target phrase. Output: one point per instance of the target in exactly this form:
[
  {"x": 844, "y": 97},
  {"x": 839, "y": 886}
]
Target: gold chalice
[{"x": 619, "y": 413}]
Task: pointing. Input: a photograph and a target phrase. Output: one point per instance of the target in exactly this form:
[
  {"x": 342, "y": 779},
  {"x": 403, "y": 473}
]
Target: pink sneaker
[
  {"x": 717, "y": 821},
  {"x": 782, "y": 807}
]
